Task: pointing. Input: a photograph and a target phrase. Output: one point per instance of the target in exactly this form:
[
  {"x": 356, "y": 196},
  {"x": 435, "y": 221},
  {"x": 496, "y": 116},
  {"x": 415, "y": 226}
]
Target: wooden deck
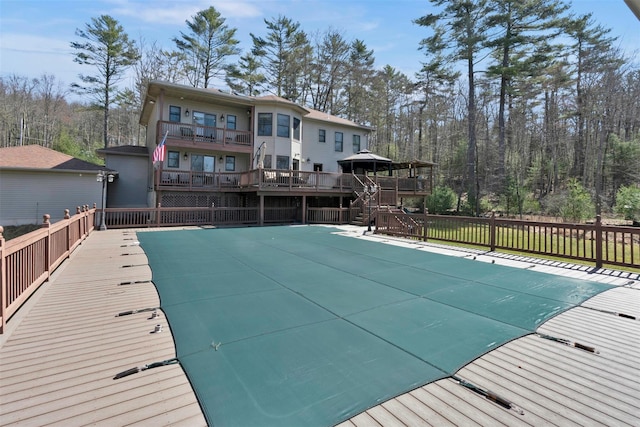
[
  {"x": 58, "y": 364},
  {"x": 61, "y": 352}
]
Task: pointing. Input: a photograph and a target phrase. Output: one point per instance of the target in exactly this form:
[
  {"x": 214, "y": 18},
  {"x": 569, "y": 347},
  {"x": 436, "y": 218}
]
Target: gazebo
[{"x": 365, "y": 161}]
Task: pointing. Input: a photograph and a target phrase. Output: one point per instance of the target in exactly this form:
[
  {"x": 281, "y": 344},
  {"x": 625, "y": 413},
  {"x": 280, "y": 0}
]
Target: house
[
  {"x": 35, "y": 181},
  {"x": 228, "y": 150}
]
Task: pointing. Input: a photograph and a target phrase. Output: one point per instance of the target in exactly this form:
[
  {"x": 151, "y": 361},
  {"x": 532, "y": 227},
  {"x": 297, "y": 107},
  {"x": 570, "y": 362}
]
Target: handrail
[{"x": 27, "y": 262}]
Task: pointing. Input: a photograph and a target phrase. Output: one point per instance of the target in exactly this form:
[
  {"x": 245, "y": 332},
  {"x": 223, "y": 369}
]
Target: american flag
[{"x": 158, "y": 153}]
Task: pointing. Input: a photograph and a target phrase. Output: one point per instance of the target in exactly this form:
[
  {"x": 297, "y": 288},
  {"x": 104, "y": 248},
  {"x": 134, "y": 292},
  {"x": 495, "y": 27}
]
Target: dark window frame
[
  {"x": 265, "y": 128},
  {"x": 356, "y": 145},
  {"x": 282, "y": 130},
  {"x": 231, "y": 121},
  {"x": 175, "y": 111},
  {"x": 339, "y": 143},
  {"x": 173, "y": 159}
]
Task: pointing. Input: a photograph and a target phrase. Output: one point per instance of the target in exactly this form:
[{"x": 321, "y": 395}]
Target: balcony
[
  {"x": 205, "y": 137},
  {"x": 278, "y": 180}
]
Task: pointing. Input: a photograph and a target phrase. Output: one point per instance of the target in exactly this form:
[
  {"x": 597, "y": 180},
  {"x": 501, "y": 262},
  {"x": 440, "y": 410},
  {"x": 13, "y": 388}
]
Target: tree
[
  {"x": 358, "y": 81},
  {"x": 520, "y": 49},
  {"x": 109, "y": 50},
  {"x": 591, "y": 49},
  {"x": 207, "y": 47},
  {"x": 283, "y": 54},
  {"x": 459, "y": 34},
  {"x": 628, "y": 202},
  {"x": 441, "y": 200},
  {"x": 245, "y": 77},
  {"x": 328, "y": 71},
  {"x": 577, "y": 204}
]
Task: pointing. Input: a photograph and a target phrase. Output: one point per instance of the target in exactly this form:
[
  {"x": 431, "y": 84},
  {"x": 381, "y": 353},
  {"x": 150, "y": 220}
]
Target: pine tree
[
  {"x": 110, "y": 51},
  {"x": 207, "y": 47}
]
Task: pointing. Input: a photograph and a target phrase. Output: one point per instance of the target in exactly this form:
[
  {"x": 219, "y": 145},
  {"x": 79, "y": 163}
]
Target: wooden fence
[
  {"x": 173, "y": 217},
  {"x": 598, "y": 243},
  {"x": 26, "y": 262}
]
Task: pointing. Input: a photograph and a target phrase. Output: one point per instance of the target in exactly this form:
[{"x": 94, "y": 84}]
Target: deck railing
[
  {"x": 26, "y": 262},
  {"x": 287, "y": 180},
  {"x": 204, "y": 134},
  {"x": 220, "y": 216},
  {"x": 597, "y": 243}
]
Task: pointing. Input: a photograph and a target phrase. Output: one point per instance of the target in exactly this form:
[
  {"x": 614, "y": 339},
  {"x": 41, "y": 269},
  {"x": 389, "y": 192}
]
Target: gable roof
[
  {"x": 157, "y": 87},
  {"x": 39, "y": 157},
  {"x": 326, "y": 117}
]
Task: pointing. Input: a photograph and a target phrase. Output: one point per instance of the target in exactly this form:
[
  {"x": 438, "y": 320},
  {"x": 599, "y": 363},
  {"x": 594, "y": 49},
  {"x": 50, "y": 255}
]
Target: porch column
[{"x": 261, "y": 211}]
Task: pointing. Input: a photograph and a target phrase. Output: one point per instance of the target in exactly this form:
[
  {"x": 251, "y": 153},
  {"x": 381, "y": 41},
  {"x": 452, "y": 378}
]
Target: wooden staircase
[{"x": 366, "y": 202}]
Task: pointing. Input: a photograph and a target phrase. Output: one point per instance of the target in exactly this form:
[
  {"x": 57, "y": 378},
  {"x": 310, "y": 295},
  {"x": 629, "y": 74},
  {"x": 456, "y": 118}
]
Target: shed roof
[
  {"x": 125, "y": 150},
  {"x": 42, "y": 158}
]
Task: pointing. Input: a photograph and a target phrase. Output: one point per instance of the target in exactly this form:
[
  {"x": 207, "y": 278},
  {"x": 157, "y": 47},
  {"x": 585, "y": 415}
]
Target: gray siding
[
  {"x": 25, "y": 196},
  {"x": 130, "y": 189}
]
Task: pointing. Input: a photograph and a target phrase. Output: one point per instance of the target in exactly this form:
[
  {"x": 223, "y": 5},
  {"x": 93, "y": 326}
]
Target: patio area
[{"x": 60, "y": 357}]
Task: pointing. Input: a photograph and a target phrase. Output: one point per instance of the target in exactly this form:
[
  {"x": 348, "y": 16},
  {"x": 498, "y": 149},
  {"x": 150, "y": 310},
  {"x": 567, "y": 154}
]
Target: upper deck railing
[
  {"x": 285, "y": 180},
  {"x": 204, "y": 134}
]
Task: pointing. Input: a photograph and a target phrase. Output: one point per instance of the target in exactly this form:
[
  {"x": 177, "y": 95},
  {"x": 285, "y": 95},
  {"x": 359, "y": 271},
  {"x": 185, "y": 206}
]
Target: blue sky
[{"x": 35, "y": 34}]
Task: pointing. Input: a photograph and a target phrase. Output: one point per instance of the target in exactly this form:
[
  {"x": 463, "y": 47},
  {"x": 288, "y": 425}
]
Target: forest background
[{"x": 526, "y": 107}]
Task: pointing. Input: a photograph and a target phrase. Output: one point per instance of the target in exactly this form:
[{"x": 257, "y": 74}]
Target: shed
[{"x": 35, "y": 180}]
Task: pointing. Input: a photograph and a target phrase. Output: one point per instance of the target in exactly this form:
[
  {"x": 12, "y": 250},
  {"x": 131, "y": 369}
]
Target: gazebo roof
[
  {"x": 365, "y": 156},
  {"x": 366, "y": 160}
]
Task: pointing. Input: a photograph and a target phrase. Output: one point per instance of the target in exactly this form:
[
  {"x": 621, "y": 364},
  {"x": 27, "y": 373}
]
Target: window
[
  {"x": 200, "y": 163},
  {"x": 230, "y": 163},
  {"x": 231, "y": 122},
  {"x": 356, "y": 143},
  {"x": 174, "y": 113},
  {"x": 265, "y": 124},
  {"x": 282, "y": 162},
  {"x": 204, "y": 119},
  {"x": 296, "y": 129},
  {"x": 173, "y": 159},
  {"x": 339, "y": 141},
  {"x": 267, "y": 161},
  {"x": 322, "y": 135},
  {"x": 283, "y": 125}
]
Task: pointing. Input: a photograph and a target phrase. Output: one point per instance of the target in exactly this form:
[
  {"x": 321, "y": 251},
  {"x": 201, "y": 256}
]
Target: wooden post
[
  {"x": 68, "y": 217},
  {"x": 3, "y": 283},
  {"x": 425, "y": 230},
  {"x": 158, "y": 214},
  {"x": 213, "y": 214},
  {"x": 261, "y": 211},
  {"x": 304, "y": 209},
  {"x": 492, "y": 231},
  {"x": 47, "y": 248},
  {"x": 598, "y": 231}
]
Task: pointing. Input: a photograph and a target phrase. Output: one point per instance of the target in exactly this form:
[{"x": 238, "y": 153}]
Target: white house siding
[
  {"x": 324, "y": 152},
  {"x": 25, "y": 196}
]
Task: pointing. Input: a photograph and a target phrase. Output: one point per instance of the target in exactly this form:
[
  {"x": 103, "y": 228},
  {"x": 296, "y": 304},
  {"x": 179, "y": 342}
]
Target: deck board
[{"x": 58, "y": 363}]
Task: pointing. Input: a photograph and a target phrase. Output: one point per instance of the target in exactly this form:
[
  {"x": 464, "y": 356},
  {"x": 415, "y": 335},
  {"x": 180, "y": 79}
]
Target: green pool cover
[{"x": 292, "y": 326}]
